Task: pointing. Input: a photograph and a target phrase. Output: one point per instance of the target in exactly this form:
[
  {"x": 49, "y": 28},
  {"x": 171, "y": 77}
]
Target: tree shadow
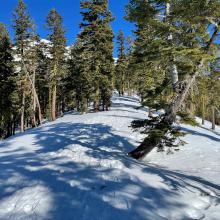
[
  {"x": 97, "y": 188},
  {"x": 78, "y": 171},
  {"x": 197, "y": 133}
]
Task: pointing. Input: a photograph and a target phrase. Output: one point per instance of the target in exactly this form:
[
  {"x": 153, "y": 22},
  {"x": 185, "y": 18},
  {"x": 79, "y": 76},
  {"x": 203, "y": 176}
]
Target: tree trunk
[
  {"x": 22, "y": 112},
  {"x": 34, "y": 124},
  {"x": 213, "y": 118},
  {"x": 173, "y": 67},
  {"x": 203, "y": 110},
  {"x": 53, "y": 103},
  {"x": 13, "y": 125},
  {"x": 61, "y": 109},
  {"x": 34, "y": 91},
  {"x": 192, "y": 109},
  {"x": 83, "y": 106},
  {"x": 150, "y": 114},
  {"x": 129, "y": 89},
  {"x": 53, "y": 92}
]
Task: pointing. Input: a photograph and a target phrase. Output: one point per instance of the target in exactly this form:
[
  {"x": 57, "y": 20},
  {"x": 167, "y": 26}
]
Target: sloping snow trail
[{"x": 77, "y": 169}]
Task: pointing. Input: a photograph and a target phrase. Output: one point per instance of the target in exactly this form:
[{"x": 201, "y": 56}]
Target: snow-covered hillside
[{"x": 76, "y": 169}]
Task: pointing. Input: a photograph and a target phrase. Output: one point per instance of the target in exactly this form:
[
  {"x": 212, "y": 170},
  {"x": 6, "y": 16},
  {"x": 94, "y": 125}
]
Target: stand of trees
[{"x": 44, "y": 78}]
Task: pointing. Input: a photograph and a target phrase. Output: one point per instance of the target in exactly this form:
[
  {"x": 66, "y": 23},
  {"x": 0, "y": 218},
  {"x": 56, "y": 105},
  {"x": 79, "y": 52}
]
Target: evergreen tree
[
  {"x": 130, "y": 75},
  {"x": 23, "y": 28},
  {"x": 95, "y": 47},
  {"x": 80, "y": 76},
  {"x": 179, "y": 45},
  {"x": 8, "y": 108},
  {"x": 121, "y": 67},
  {"x": 58, "y": 41}
]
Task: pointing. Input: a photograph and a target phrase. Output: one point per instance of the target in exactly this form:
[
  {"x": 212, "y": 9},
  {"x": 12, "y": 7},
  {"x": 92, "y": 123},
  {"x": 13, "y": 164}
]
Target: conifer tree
[
  {"x": 22, "y": 26},
  {"x": 95, "y": 45},
  {"x": 181, "y": 46},
  {"x": 8, "y": 108},
  {"x": 121, "y": 67},
  {"x": 58, "y": 41},
  {"x": 80, "y": 76}
]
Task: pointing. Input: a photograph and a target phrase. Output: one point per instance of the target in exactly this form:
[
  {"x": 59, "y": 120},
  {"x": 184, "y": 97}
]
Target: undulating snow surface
[{"x": 76, "y": 169}]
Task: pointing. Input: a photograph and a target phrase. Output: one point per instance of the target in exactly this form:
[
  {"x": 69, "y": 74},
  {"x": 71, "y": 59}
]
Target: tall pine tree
[
  {"x": 95, "y": 48},
  {"x": 58, "y": 43},
  {"x": 23, "y": 27},
  {"x": 8, "y": 107},
  {"x": 121, "y": 66}
]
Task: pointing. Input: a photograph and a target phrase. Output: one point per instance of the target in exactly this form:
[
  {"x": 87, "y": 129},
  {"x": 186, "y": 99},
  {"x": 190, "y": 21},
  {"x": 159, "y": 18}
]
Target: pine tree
[
  {"x": 22, "y": 25},
  {"x": 58, "y": 41},
  {"x": 181, "y": 46},
  {"x": 106, "y": 51},
  {"x": 130, "y": 75},
  {"x": 8, "y": 108},
  {"x": 121, "y": 66},
  {"x": 80, "y": 77},
  {"x": 95, "y": 45}
]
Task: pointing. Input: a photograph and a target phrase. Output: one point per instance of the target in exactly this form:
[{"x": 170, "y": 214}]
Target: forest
[{"x": 118, "y": 124}]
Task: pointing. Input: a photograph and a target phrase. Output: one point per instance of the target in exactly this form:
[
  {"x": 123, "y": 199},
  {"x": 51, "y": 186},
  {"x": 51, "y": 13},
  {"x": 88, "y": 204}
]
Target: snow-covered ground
[{"x": 76, "y": 169}]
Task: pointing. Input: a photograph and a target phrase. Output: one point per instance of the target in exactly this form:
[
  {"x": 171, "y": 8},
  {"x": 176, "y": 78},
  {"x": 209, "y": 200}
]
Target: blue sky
[{"x": 70, "y": 11}]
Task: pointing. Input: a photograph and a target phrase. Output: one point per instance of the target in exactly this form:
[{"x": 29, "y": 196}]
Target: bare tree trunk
[
  {"x": 53, "y": 104},
  {"x": 53, "y": 93},
  {"x": 22, "y": 112},
  {"x": 83, "y": 106},
  {"x": 192, "y": 109},
  {"x": 13, "y": 125},
  {"x": 34, "y": 92},
  {"x": 173, "y": 67},
  {"x": 213, "y": 118},
  {"x": 203, "y": 110},
  {"x": 123, "y": 85},
  {"x": 34, "y": 124},
  {"x": 129, "y": 89}
]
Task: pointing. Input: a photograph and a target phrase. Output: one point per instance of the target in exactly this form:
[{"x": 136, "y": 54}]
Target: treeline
[{"x": 172, "y": 64}]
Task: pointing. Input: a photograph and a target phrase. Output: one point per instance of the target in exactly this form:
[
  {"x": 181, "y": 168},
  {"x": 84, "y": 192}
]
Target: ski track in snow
[{"x": 76, "y": 169}]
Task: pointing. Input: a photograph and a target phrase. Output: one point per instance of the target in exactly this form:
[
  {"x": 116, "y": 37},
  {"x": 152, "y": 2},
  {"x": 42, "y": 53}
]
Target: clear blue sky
[{"x": 70, "y": 11}]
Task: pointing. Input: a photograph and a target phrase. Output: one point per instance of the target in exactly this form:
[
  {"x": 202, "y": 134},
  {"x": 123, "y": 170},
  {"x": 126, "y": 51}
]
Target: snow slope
[{"x": 76, "y": 169}]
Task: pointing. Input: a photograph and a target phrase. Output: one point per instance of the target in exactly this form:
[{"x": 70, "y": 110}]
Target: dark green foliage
[
  {"x": 159, "y": 131},
  {"x": 93, "y": 64},
  {"x": 185, "y": 118},
  {"x": 22, "y": 25},
  {"x": 175, "y": 41},
  {"x": 8, "y": 105},
  {"x": 121, "y": 66},
  {"x": 57, "y": 61}
]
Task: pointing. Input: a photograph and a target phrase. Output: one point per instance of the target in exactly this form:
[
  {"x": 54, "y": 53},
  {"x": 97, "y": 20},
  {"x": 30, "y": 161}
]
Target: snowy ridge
[{"x": 76, "y": 169}]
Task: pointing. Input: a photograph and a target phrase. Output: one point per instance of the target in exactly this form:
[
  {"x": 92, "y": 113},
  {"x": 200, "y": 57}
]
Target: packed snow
[{"x": 77, "y": 168}]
